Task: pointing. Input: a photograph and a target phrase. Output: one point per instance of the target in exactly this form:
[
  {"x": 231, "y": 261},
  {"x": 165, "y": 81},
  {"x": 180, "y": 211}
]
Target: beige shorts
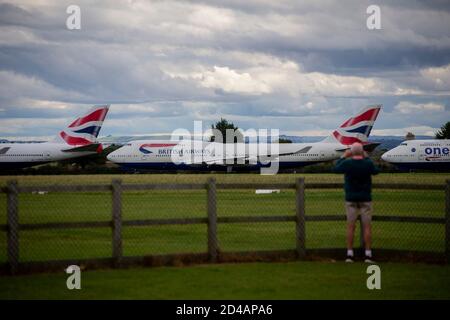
[{"x": 355, "y": 208}]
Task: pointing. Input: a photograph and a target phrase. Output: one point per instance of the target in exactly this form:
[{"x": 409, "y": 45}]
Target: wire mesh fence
[
  {"x": 256, "y": 235},
  {"x": 52, "y": 223},
  {"x": 387, "y": 204},
  {"x": 163, "y": 239}
]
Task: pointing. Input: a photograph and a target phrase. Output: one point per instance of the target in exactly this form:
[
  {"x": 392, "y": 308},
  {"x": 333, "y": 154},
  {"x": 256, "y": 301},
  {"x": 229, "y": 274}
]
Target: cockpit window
[{"x": 403, "y": 144}]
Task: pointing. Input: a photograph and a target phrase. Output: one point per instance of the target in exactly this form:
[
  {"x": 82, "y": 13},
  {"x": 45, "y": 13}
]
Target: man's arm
[
  {"x": 376, "y": 170},
  {"x": 373, "y": 168},
  {"x": 340, "y": 166}
]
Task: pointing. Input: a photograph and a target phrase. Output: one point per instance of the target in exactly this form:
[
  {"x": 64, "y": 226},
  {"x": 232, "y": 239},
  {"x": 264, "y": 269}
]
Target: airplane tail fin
[
  {"x": 357, "y": 128},
  {"x": 85, "y": 129}
]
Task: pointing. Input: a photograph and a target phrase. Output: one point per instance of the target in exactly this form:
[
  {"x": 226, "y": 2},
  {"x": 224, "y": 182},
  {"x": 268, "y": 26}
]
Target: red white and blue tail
[
  {"x": 85, "y": 129},
  {"x": 357, "y": 128}
]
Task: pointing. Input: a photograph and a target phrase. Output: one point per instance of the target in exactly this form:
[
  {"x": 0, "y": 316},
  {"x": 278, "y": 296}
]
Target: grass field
[
  {"x": 425, "y": 178},
  {"x": 294, "y": 280},
  {"x": 96, "y": 206}
]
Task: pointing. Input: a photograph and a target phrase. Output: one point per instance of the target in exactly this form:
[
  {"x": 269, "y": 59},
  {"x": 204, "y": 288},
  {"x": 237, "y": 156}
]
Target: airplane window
[{"x": 413, "y": 149}]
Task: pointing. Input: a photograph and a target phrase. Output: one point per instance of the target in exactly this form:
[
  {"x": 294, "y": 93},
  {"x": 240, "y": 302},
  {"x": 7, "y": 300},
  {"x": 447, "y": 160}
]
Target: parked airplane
[
  {"x": 159, "y": 154},
  {"x": 77, "y": 140},
  {"x": 420, "y": 154}
]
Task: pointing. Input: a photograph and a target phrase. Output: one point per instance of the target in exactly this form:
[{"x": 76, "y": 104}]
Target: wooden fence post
[
  {"x": 13, "y": 226},
  {"x": 213, "y": 246},
  {"x": 300, "y": 217},
  {"x": 447, "y": 221},
  {"x": 117, "y": 222}
]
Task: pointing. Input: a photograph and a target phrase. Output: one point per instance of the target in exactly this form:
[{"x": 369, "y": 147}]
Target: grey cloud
[{"x": 124, "y": 51}]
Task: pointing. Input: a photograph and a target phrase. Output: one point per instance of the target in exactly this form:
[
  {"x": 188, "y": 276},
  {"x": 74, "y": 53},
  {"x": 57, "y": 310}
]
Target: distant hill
[
  {"x": 19, "y": 141},
  {"x": 387, "y": 142}
]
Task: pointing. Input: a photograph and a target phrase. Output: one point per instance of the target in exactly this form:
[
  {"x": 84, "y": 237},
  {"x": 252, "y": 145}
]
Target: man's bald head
[{"x": 357, "y": 151}]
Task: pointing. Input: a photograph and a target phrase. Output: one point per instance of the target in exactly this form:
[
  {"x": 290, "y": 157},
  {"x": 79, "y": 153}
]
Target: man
[{"x": 358, "y": 170}]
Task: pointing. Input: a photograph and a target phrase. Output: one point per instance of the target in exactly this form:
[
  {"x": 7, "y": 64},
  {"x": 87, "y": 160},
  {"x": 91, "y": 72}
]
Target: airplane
[
  {"x": 159, "y": 154},
  {"x": 420, "y": 154},
  {"x": 77, "y": 140}
]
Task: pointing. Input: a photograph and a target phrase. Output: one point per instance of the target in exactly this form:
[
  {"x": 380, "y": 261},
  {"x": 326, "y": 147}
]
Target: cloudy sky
[{"x": 299, "y": 66}]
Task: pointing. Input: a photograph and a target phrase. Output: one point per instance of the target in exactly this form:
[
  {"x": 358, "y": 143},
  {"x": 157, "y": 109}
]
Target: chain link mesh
[
  {"x": 406, "y": 235},
  {"x": 138, "y": 240},
  {"x": 259, "y": 235},
  {"x": 56, "y": 207},
  {"x": 385, "y": 234},
  {"x": 3, "y": 220},
  {"x": 164, "y": 239}
]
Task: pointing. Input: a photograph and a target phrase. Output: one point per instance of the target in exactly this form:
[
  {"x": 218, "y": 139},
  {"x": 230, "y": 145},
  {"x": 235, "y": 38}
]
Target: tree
[
  {"x": 284, "y": 140},
  {"x": 222, "y": 126},
  {"x": 410, "y": 136},
  {"x": 444, "y": 132}
]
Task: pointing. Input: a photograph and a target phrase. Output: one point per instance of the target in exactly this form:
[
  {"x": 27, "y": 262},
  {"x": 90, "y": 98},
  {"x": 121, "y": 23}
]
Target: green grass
[
  {"x": 96, "y": 206},
  {"x": 301, "y": 280},
  {"x": 294, "y": 280},
  {"x": 84, "y": 243}
]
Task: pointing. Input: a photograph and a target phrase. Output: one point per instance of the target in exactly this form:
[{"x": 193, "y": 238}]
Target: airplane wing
[
  {"x": 4, "y": 150},
  {"x": 224, "y": 160}
]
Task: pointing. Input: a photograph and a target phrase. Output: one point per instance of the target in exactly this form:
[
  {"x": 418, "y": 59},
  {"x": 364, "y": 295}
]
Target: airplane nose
[{"x": 384, "y": 156}]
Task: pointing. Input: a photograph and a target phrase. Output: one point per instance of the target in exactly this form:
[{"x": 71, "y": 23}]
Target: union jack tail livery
[
  {"x": 84, "y": 130},
  {"x": 357, "y": 128}
]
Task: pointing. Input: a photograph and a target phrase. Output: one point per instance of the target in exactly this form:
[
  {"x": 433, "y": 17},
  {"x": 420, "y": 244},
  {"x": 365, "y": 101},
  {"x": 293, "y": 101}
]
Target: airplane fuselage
[
  {"x": 420, "y": 154},
  {"x": 76, "y": 140},
  {"x": 21, "y": 155},
  {"x": 161, "y": 155}
]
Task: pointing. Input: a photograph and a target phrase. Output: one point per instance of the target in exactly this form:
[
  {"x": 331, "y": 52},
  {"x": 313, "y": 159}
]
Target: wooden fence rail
[{"x": 13, "y": 227}]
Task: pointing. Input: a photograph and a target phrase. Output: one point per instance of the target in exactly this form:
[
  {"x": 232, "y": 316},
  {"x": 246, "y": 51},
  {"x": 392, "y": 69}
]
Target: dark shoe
[{"x": 349, "y": 259}]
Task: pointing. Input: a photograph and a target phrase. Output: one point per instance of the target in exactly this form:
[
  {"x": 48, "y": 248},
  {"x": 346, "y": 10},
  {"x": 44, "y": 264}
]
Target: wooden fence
[{"x": 213, "y": 254}]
